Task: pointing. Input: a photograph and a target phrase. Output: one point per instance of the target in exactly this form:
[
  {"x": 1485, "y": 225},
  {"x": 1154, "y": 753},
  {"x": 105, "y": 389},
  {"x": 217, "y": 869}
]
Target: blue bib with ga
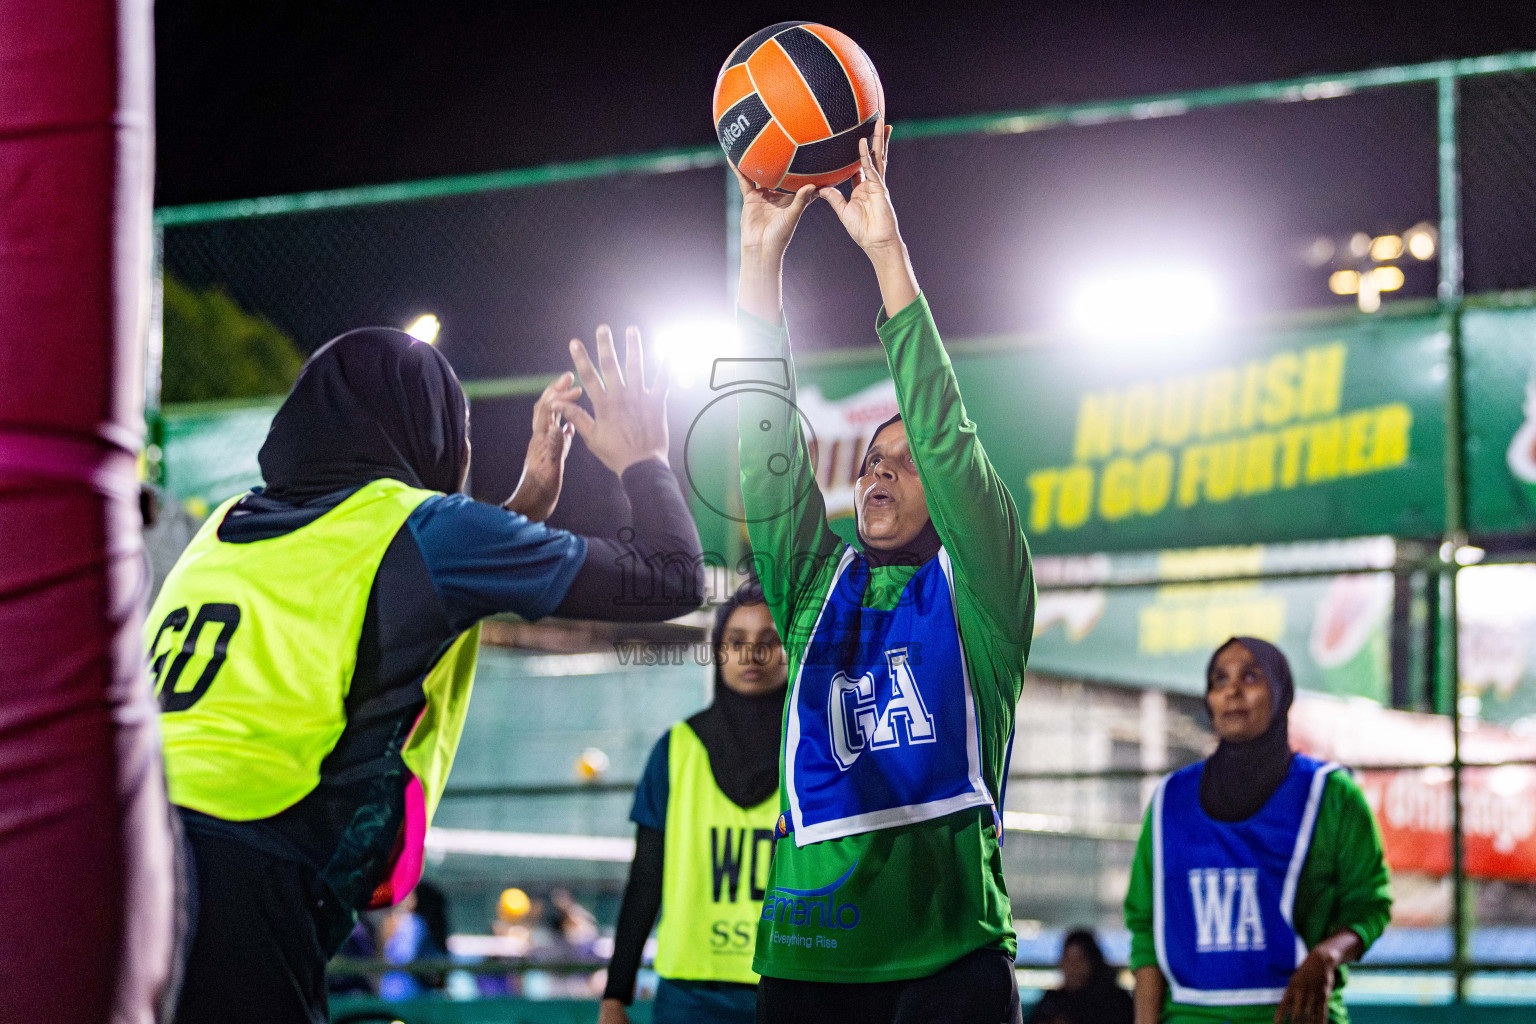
[
  {"x": 1224, "y": 893},
  {"x": 882, "y": 726}
]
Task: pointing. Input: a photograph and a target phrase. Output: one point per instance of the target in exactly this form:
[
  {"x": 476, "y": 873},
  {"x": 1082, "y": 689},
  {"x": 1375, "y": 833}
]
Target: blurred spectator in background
[
  {"x": 415, "y": 929},
  {"x": 1089, "y": 993},
  {"x": 572, "y": 925},
  {"x": 714, "y": 775}
]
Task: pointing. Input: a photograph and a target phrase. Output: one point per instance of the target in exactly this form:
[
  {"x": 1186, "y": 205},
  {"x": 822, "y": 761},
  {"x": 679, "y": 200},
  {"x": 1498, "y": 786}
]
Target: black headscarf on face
[
  {"x": 921, "y": 548},
  {"x": 1240, "y": 777},
  {"x": 369, "y": 404},
  {"x": 739, "y": 732}
]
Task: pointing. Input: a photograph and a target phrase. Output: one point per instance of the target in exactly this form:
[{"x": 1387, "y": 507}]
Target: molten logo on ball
[
  {"x": 808, "y": 95},
  {"x": 733, "y": 131}
]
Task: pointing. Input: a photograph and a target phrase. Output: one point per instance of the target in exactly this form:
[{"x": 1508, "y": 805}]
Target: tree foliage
[{"x": 214, "y": 349}]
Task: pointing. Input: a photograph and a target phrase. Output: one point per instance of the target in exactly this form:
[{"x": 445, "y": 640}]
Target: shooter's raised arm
[
  {"x": 786, "y": 516},
  {"x": 972, "y": 510}
]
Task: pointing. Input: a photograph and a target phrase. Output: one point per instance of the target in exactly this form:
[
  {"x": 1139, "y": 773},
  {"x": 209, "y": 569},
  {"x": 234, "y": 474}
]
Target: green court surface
[{"x": 519, "y": 1011}]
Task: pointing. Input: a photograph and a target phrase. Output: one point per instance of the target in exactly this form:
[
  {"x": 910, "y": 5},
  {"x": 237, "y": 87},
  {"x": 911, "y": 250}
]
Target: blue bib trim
[
  {"x": 882, "y": 725},
  {"x": 1224, "y": 893}
]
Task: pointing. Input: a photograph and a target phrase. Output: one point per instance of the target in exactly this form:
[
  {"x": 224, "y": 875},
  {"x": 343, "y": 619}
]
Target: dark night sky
[{"x": 294, "y": 95}]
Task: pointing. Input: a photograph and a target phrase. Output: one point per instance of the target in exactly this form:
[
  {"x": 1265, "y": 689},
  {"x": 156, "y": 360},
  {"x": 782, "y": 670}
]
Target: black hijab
[
  {"x": 369, "y": 404},
  {"x": 922, "y": 547},
  {"x": 1240, "y": 777},
  {"x": 741, "y": 732}
]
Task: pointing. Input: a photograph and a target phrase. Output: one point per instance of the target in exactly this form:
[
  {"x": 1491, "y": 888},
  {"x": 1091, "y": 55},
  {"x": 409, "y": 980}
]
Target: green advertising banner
[
  {"x": 1333, "y": 629},
  {"x": 1292, "y": 435},
  {"x": 1499, "y": 370}
]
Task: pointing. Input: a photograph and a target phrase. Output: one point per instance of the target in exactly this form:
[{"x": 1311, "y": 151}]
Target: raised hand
[
  {"x": 769, "y": 218},
  {"x": 867, "y": 213},
  {"x": 870, "y": 220},
  {"x": 538, "y": 490},
  {"x": 768, "y": 221},
  {"x": 628, "y": 422}
]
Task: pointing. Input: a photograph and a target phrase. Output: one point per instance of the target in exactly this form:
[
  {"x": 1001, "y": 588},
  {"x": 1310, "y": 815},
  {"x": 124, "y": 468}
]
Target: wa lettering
[
  {"x": 857, "y": 725},
  {"x": 1226, "y": 907}
]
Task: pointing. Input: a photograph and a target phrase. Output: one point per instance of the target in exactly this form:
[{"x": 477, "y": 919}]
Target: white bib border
[{"x": 890, "y": 817}]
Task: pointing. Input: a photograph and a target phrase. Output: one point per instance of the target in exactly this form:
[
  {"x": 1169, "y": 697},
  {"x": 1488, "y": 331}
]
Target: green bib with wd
[
  {"x": 252, "y": 648},
  {"x": 715, "y": 867}
]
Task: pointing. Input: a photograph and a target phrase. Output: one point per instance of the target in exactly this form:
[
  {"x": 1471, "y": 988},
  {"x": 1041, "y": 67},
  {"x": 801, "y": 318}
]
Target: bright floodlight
[
  {"x": 1152, "y": 302},
  {"x": 1421, "y": 241},
  {"x": 425, "y": 328},
  {"x": 690, "y": 348}
]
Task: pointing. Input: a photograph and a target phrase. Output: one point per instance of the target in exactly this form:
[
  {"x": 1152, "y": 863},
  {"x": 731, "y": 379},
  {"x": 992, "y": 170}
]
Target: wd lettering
[
  {"x": 811, "y": 908},
  {"x": 1218, "y": 894},
  {"x": 727, "y": 854},
  {"x": 856, "y": 724}
]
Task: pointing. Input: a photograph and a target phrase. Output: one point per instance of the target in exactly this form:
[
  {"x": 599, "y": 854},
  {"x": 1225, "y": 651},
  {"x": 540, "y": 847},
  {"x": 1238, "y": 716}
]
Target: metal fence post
[{"x": 1450, "y": 291}]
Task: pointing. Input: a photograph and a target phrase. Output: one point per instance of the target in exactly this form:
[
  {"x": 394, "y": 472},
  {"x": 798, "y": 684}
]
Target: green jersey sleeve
[
  {"x": 793, "y": 548},
  {"x": 1138, "y": 900},
  {"x": 972, "y": 510},
  {"x": 1345, "y": 880}
]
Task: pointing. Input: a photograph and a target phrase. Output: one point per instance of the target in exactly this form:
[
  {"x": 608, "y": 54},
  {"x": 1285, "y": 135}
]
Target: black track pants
[
  {"x": 979, "y": 988},
  {"x": 257, "y": 955}
]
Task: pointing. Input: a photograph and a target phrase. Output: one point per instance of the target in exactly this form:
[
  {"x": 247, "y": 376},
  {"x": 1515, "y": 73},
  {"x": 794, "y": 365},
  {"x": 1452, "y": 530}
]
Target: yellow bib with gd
[
  {"x": 252, "y": 648},
  {"x": 715, "y": 867}
]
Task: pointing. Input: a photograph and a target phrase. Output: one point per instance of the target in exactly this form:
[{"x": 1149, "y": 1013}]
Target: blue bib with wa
[
  {"x": 1224, "y": 893},
  {"x": 882, "y": 726}
]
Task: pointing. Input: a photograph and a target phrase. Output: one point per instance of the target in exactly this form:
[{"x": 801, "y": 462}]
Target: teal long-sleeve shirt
[
  {"x": 930, "y": 892},
  {"x": 1344, "y": 884}
]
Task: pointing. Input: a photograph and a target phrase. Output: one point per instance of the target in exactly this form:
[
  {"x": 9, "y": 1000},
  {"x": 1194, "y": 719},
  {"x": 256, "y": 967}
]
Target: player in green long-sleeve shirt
[
  {"x": 1211, "y": 941},
  {"x": 886, "y": 899}
]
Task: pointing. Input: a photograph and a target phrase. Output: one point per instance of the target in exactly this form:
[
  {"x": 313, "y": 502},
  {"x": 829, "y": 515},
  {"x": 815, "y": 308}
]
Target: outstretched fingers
[
  {"x": 834, "y": 199},
  {"x": 867, "y": 162},
  {"x": 742, "y": 181},
  {"x": 634, "y": 358},
  {"x": 608, "y": 357},
  {"x": 561, "y": 389},
  {"x": 805, "y": 195},
  {"x": 590, "y": 378},
  {"x": 663, "y": 381},
  {"x": 577, "y": 417}
]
